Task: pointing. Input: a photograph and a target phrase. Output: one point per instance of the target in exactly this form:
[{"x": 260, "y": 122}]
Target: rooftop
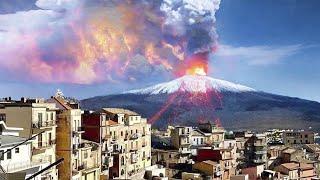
[
  {"x": 7, "y": 140},
  {"x": 293, "y": 166},
  {"x": 120, "y": 111},
  {"x": 210, "y": 162}
]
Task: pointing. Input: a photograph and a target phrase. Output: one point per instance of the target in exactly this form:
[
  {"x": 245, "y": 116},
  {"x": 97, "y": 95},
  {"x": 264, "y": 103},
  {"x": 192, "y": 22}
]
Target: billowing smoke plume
[{"x": 90, "y": 41}]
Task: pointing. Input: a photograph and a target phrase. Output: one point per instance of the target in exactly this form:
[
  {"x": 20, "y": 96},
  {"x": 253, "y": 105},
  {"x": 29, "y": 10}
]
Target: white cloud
[{"x": 258, "y": 55}]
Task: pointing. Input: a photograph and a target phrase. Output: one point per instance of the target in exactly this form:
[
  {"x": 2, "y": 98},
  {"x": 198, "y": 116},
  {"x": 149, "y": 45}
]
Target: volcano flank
[{"x": 193, "y": 99}]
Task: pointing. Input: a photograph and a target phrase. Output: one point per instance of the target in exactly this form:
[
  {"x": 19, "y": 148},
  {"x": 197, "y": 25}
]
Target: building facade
[
  {"x": 81, "y": 158},
  {"x": 297, "y": 137},
  {"x": 125, "y": 138},
  {"x": 34, "y": 116}
]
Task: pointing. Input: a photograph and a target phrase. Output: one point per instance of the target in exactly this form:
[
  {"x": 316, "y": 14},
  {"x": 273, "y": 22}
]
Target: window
[
  {"x": 1, "y": 155},
  {"x": 121, "y": 133},
  {"x": 40, "y": 119},
  {"x": 136, "y": 130},
  {"x": 9, "y": 154},
  {"x": 85, "y": 155},
  {"x": 17, "y": 150},
  {"x": 2, "y": 117},
  {"x": 122, "y": 160},
  {"x": 51, "y": 117},
  {"x": 306, "y": 136},
  {"x": 122, "y": 172}
]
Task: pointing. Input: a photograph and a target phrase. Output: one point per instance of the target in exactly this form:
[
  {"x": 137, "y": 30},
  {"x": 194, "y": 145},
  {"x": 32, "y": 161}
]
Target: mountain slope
[
  {"x": 192, "y": 99},
  {"x": 192, "y": 83}
]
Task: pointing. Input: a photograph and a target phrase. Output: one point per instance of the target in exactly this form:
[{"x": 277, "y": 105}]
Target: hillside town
[{"x": 55, "y": 139}]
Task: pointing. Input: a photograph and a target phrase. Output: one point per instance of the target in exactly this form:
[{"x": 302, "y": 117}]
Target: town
[{"x": 55, "y": 139}]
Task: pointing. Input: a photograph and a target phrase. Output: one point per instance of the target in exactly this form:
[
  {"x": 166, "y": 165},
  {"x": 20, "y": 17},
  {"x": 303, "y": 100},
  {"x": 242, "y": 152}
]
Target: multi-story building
[
  {"x": 169, "y": 158},
  {"x": 217, "y": 134},
  {"x": 255, "y": 147},
  {"x": 34, "y": 116},
  {"x": 181, "y": 139},
  {"x": 297, "y": 137},
  {"x": 225, "y": 157},
  {"x": 81, "y": 157},
  {"x": 125, "y": 138},
  {"x": 240, "y": 148}
]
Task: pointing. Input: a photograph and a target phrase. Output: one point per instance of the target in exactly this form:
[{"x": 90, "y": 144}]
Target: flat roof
[
  {"x": 7, "y": 140},
  {"x": 120, "y": 111}
]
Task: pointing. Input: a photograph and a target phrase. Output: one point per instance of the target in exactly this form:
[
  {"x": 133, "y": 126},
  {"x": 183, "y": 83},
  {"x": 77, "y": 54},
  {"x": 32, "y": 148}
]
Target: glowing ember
[{"x": 196, "y": 71}]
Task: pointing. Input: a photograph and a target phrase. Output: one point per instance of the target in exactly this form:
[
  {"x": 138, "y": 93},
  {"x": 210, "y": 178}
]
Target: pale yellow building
[
  {"x": 126, "y": 140},
  {"x": 81, "y": 157}
]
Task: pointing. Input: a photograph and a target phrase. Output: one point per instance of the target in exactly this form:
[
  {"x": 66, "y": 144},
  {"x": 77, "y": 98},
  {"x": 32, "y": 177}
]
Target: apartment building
[
  {"x": 169, "y": 158},
  {"x": 225, "y": 157},
  {"x": 125, "y": 138},
  {"x": 34, "y": 116},
  {"x": 255, "y": 147},
  {"x": 298, "y": 137},
  {"x": 181, "y": 137},
  {"x": 217, "y": 134},
  {"x": 81, "y": 157}
]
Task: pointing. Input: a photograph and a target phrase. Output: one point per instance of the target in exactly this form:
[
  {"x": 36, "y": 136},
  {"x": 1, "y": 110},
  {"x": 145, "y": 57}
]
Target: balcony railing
[
  {"x": 45, "y": 144},
  {"x": 134, "y": 136},
  {"x": 44, "y": 124},
  {"x": 259, "y": 161},
  {"x": 261, "y": 152},
  {"x": 259, "y": 144},
  {"x": 81, "y": 145}
]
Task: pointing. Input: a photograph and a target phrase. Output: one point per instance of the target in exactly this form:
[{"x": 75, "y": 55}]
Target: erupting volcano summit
[{"x": 193, "y": 83}]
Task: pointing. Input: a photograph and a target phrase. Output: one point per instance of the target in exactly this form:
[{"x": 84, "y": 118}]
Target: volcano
[{"x": 193, "y": 99}]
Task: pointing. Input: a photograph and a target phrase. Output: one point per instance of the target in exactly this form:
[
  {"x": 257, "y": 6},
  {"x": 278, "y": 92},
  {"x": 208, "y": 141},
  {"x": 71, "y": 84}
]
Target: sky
[{"x": 272, "y": 46}]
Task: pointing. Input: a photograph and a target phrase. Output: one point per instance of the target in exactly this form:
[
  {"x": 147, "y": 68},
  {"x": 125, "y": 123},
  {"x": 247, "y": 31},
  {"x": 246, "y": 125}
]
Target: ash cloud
[{"x": 94, "y": 41}]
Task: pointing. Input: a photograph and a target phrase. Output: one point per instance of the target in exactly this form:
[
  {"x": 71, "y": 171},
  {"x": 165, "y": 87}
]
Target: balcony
[
  {"x": 134, "y": 136},
  {"x": 45, "y": 144},
  {"x": 259, "y": 144},
  {"x": 43, "y": 124},
  {"x": 80, "y": 129},
  {"x": 218, "y": 173},
  {"x": 261, "y": 152},
  {"x": 81, "y": 145},
  {"x": 259, "y": 161},
  {"x": 77, "y": 131},
  {"x": 114, "y": 139},
  {"x": 185, "y": 151}
]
